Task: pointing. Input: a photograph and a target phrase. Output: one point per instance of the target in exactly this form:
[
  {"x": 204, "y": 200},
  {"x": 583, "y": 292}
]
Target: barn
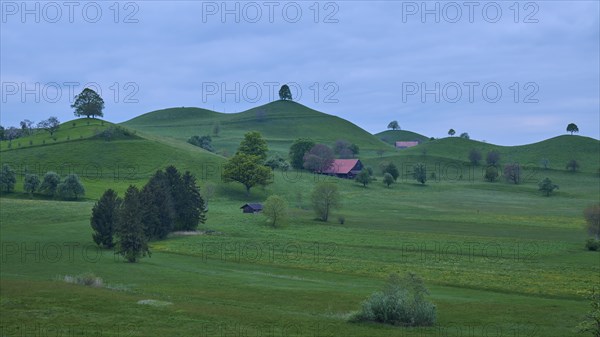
[
  {"x": 252, "y": 208},
  {"x": 344, "y": 168},
  {"x": 407, "y": 144}
]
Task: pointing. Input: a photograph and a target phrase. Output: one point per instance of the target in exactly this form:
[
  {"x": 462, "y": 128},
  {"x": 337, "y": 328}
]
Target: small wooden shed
[{"x": 252, "y": 208}]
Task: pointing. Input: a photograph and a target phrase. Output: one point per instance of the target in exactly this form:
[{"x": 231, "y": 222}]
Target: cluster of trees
[
  {"x": 464, "y": 135},
  {"x": 277, "y": 162},
  {"x": 51, "y": 125},
  {"x": 390, "y": 172},
  {"x": 169, "y": 202},
  {"x": 306, "y": 154},
  {"x": 52, "y": 185},
  {"x": 344, "y": 149},
  {"x": 204, "y": 142},
  {"x": 512, "y": 172}
]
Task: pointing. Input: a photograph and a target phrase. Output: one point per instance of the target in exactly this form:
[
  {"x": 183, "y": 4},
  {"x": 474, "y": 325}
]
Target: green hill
[
  {"x": 558, "y": 151},
  {"x": 280, "y": 122},
  {"x": 124, "y": 158},
  {"x": 393, "y": 136}
]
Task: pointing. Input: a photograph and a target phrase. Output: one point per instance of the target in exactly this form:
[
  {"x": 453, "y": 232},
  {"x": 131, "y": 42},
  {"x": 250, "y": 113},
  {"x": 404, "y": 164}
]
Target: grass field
[{"x": 499, "y": 259}]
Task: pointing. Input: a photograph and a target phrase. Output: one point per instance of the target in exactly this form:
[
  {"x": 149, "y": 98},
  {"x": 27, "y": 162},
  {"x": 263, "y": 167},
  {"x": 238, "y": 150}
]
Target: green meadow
[{"x": 499, "y": 259}]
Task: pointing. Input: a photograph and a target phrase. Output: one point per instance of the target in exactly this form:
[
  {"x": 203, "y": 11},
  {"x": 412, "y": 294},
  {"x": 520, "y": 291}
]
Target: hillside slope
[
  {"x": 393, "y": 136},
  {"x": 558, "y": 151},
  {"x": 280, "y": 122},
  {"x": 125, "y": 158}
]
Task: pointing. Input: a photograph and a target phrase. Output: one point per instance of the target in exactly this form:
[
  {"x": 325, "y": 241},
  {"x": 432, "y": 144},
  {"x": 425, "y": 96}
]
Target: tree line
[
  {"x": 52, "y": 185},
  {"x": 168, "y": 202}
]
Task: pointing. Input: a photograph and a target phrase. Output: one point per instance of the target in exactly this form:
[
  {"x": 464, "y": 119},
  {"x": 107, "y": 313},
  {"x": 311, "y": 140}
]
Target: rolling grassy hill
[
  {"x": 122, "y": 160},
  {"x": 558, "y": 150},
  {"x": 393, "y": 136},
  {"x": 495, "y": 256},
  {"x": 280, "y": 122}
]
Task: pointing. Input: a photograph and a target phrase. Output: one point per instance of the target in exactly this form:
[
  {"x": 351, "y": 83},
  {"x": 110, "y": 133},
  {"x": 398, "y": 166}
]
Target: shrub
[
  {"x": 341, "y": 219},
  {"x": 204, "y": 142},
  {"x": 402, "y": 302},
  {"x": 592, "y": 244},
  {"x": 87, "y": 279}
]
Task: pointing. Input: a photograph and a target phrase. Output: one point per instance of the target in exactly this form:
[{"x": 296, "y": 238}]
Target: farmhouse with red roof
[
  {"x": 406, "y": 144},
  {"x": 344, "y": 168}
]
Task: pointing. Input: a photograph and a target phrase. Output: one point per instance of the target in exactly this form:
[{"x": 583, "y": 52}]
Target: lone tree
[
  {"x": 50, "y": 183},
  {"x": 388, "y": 179},
  {"x": 512, "y": 173},
  {"x": 363, "y": 177},
  {"x": 8, "y": 178},
  {"x": 254, "y": 144},
  {"x": 451, "y": 132},
  {"x": 104, "y": 218},
  {"x": 31, "y": 183},
  {"x": 51, "y": 125},
  {"x": 465, "y": 135},
  {"x": 491, "y": 173},
  {"x": 247, "y": 170},
  {"x": 325, "y": 197},
  {"x": 275, "y": 209},
  {"x": 216, "y": 129},
  {"x": 572, "y": 165},
  {"x": 592, "y": 219},
  {"x": 71, "y": 187},
  {"x": 132, "y": 243},
  {"x": 420, "y": 173},
  {"x": 319, "y": 158},
  {"x": 493, "y": 158},
  {"x": 394, "y": 125},
  {"x": 297, "y": 151},
  {"x": 285, "y": 93},
  {"x": 207, "y": 192},
  {"x": 88, "y": 103},
  {"x": 474, "y": 157},
  {"x": 545, "y": 162},
  {"x": 546, "y": 186},
  {"x": 572, "y": 127}
]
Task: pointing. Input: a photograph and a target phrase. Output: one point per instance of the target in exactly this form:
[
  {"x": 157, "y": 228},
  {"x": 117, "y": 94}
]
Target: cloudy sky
[{"x": 503, "y": 72}]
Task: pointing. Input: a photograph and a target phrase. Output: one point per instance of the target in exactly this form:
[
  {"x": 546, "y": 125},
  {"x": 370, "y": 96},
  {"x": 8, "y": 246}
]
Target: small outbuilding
[{"x": 252, "y": 208}]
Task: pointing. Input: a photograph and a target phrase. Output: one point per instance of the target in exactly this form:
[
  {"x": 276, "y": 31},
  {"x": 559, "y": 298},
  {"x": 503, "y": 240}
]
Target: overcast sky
[{"x": 508, "y": 74}]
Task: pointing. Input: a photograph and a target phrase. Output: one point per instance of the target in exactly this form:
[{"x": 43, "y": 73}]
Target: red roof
[
  {"x": 341, "y": 166},
  {"x": 407, "y": 143}
]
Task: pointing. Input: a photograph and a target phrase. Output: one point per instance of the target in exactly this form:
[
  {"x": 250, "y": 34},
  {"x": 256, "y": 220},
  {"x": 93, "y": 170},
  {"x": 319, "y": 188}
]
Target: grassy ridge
[
  {"x": 280, "y": 122},
  {"x": 558, "y": 150},
  {"x": 393, "y": 136}
]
